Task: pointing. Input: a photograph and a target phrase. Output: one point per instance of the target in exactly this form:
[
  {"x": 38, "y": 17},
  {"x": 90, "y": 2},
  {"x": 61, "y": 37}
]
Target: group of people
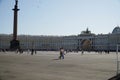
[
  {"x": 62, "y": 52},
  {"x": 33, "y": 51}
]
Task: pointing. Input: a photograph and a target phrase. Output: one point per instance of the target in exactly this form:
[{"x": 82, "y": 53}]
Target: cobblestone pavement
[{"x": 46, "y": 66}]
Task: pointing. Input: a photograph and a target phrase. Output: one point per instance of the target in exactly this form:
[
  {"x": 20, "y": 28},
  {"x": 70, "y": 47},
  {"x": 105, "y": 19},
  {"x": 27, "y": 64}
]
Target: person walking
[
  {"x": 61, "y": 53},
  {"x": 32, "y": 51}
]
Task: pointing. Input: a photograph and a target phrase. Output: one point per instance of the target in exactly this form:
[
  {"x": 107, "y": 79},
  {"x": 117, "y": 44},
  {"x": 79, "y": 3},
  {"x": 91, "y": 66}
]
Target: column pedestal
[{"x": 14, "y": 44}]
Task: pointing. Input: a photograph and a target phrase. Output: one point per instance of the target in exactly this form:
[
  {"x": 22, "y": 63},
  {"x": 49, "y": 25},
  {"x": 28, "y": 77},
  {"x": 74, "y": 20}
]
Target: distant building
[{"x": 84, "y": 41}]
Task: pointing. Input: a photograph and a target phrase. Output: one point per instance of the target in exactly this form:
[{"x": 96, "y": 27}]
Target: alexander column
[{"x": 14, "y": 43}]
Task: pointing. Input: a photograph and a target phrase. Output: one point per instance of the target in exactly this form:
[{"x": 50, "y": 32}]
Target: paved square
[{"x": 46, "y": 66}]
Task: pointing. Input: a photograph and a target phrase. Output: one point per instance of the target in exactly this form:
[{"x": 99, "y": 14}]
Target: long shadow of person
[{"x": 56, "y": 59}]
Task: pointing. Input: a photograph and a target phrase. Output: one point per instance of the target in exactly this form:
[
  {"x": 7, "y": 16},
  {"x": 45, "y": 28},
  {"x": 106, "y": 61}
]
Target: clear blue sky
[{"x": 60, "y": 17}]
